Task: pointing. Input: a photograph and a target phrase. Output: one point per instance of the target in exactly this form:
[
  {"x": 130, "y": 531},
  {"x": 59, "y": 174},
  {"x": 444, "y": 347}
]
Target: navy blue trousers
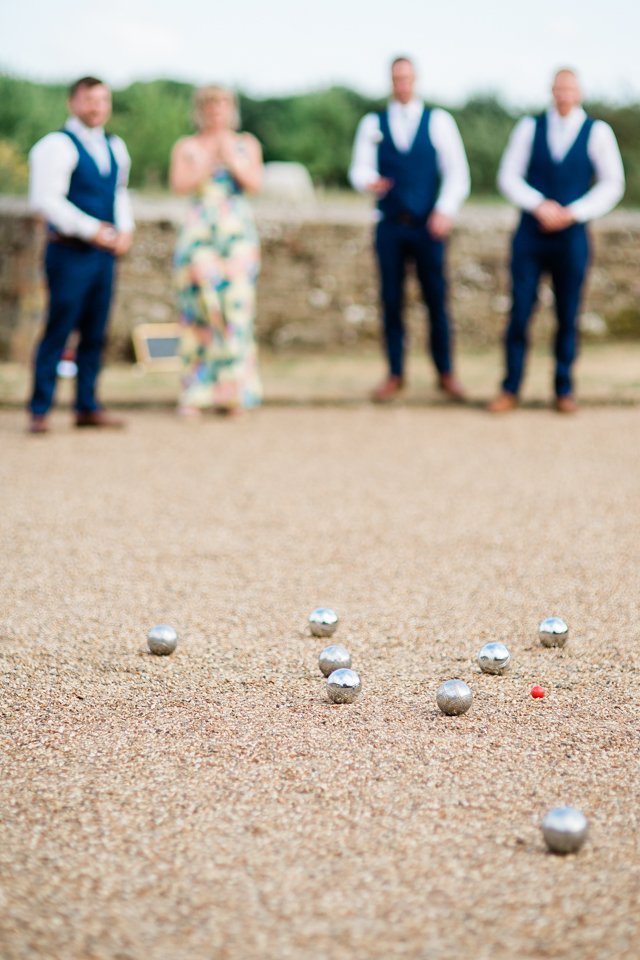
[
  {"x": 396, "y": 245},
  {"x": 565, "y": 256},
  {"x": 80, "y": 285}
]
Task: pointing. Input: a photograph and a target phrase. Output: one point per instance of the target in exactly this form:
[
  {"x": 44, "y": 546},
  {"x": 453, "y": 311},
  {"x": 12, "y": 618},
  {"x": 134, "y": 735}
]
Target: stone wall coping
[{"x": 352, "y": 211}]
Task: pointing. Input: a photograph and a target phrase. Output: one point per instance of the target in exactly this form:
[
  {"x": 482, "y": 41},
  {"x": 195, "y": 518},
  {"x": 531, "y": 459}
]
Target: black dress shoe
[{"x": 99, "y": 418}]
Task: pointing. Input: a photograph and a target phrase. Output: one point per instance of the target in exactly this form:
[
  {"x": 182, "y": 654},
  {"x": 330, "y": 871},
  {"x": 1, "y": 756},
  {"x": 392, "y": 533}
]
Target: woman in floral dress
[{"x": 217, "y": 258}]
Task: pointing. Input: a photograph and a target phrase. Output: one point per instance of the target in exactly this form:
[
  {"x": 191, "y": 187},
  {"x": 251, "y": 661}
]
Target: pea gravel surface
[{"x": 213, "y": 805}]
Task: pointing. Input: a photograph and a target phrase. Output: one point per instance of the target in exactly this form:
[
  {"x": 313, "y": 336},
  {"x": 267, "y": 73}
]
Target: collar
[
  {"x": 574, "y": 116},
  {"x": 413, "y": 106},
  {"x": 76, "y": 126}
]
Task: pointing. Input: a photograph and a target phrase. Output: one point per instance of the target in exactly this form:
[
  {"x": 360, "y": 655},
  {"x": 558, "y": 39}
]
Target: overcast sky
[{"x": 507, "y": 47}]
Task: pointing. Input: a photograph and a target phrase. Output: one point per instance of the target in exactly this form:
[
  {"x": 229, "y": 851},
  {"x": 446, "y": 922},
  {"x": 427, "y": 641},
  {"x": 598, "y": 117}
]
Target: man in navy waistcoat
[
  {"x": 562, "y": 169},
  {"x": 78, "y": 183},
  {"x": 412, "y": 160}
]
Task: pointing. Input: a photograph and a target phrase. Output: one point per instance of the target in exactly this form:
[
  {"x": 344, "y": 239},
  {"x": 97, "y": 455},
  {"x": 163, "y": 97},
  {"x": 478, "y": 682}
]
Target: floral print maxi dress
[{"x": 216, "y": 262}]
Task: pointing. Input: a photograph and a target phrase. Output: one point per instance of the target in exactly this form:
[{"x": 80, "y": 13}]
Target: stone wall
[{"x": 318, "y": 287}]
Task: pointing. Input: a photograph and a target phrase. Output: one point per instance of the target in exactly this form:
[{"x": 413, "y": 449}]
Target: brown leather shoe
[
  {"x": 503, "y": 403},
  {"x": 453, "y": 389},
  {"x": 99, "y": 418},
  {"x": 38, "y": 424},
  {"x": 388, "y": 390},
  {"x": 566, "y": 404}
]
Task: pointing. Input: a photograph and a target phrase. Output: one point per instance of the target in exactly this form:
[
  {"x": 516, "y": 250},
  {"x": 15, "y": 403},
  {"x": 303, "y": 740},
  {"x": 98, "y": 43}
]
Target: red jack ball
[{"x": 537, "y": 692}]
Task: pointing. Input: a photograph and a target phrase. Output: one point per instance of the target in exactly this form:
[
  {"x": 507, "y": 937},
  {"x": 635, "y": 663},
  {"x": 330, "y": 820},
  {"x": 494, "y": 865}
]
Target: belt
[
  {"x": 408, "y": 219},
  {"x": 74, "y": 242}
]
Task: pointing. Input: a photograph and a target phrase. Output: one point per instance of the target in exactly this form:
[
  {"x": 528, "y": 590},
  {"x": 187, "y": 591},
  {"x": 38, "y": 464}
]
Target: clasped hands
[
  {"x": 108, "y": 238},
  {"x": 553, "y": 217},
  {"x": 220, "y": 149}
]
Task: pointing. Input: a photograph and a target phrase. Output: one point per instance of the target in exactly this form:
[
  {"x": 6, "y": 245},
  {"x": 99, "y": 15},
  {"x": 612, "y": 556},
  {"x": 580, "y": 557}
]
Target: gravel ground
[{"x": 213, "y": 805}]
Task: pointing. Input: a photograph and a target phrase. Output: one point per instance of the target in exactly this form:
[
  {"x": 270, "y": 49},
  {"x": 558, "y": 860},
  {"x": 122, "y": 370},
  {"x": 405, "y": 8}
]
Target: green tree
[
  {"x": 484, "y": 125},
  {"x": 13, "y": 169},
  {"x": 150, "y": 117},
  {"x": 315, "y": 129},
  {"x": 625, "y": 121}
]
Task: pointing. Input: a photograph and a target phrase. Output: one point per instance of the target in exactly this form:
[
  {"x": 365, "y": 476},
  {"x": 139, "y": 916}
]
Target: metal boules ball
[
  {"x": 494, "y": 658},
  {"x": 333, "y": 658},
  {"x": 162, "y": 640},
  {"x": 565, "y": 829},
  {"x": 454, "y": 697},
  {"x": 323, "y": 622},
  {"x": 343, "y": 686},
  {"x": 553, "y": 632}
]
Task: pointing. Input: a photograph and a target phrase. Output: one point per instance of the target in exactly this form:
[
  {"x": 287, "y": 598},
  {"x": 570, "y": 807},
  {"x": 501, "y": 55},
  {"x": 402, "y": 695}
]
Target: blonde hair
[{"x": 204, "y": 95}]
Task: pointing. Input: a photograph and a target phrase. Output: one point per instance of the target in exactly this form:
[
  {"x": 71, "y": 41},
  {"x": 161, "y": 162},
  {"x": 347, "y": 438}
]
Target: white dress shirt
[
  {"x": 404, "y": 120},
  {"x": 52, "y": 161},
  {"x": 603, "y": 151}
]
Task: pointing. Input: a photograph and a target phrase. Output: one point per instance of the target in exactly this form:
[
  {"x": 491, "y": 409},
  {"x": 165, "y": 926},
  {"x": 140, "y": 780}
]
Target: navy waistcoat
[
  {"x": 414, "y": 172},
  {"x": 565, "y": 180},
  {"x": 91, "y": 191}
]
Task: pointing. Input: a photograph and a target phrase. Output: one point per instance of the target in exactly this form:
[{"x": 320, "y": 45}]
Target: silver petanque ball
[
  {"x": 334, "y": 658},
  {"x": 343, "y": 686},
  {"x": 323, "y": 622},
  {"x": 454, "y": 697},
  {"x": 553, "y": 632},
  {"x": 162, "y": 640},
  {"x": 565, "y": 829},
  {"x": 494, "y": 658}
]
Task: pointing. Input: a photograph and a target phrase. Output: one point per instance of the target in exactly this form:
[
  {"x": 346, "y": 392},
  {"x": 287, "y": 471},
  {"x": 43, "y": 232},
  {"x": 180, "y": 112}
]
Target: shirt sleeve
[
  {"x": 123, "y": 209},
  {"x": 608, "y": 189},
  {"x": 452, "y": 163},
  {"x": 51, "y": 163},
  {"x": 514, "y": 165},
  {"x": 364, "y": 160}
]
